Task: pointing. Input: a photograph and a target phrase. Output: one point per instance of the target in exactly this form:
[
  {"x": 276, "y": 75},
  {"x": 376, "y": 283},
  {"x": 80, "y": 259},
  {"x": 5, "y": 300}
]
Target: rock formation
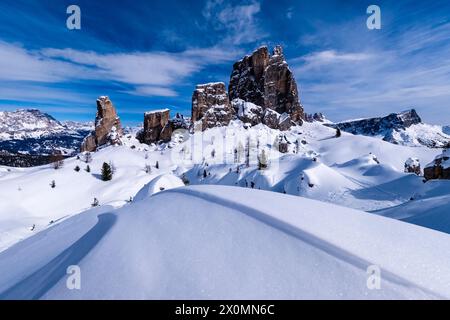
[
  {"x": 211, "y": 106},
  {"x": 266, "y": 80},
  {"x": 156, "y": 126},
  {"x": 412, "y": 165},
  {"x": 252, "y": 114},
  {"x": 439, "y": 168},
  {"x": 248, "y": 112},
  {"x": 107, "y": 126}
]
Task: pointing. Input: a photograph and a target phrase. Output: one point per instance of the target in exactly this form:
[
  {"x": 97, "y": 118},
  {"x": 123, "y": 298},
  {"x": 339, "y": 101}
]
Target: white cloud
[
  {"x": 328, "y": 57},
  {"x": 238, "y": 22},
  {"x": 17, "y": 63},
  {"x": 151, "y": 73},
  {"x": 150, "y": 91},
  {"x": 358, "y": 74},
  {"x": 132, "y": 68}
]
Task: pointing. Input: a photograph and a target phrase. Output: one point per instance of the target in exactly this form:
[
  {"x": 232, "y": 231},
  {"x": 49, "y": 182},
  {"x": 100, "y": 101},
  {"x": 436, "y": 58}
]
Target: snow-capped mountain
[
  {"x": 32, "y": 132},
  {"x": 404, "y": 128}
]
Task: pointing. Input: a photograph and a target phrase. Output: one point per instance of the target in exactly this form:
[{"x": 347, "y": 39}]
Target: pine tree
[
  {"x": 205, "y": 174},
  {"x": 95, "y": 203},
  {"x": 338, "y": 133},
  {"x": 106, "y": 172},
  {"x": 185, "y": 179},
  {"x": 262, "y": 160},
  {"x": 247, "y": 152},
  {"x": 87, "y": 157},
  {"x": 57, "y": 160}
]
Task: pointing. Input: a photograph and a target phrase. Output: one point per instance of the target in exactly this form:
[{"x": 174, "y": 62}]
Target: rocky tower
[
  {"x": 211, "y": 105},
  {"x": 266, "y": 80},
  {"x": 156, "y": 126},
  {"x": 107, "y": 126}
]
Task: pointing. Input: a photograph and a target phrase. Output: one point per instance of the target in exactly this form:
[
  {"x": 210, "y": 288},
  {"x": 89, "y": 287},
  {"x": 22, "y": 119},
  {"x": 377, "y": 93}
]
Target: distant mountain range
[
  {"x": 404, "y": 128},
  {"x": 29, "y": 136}
]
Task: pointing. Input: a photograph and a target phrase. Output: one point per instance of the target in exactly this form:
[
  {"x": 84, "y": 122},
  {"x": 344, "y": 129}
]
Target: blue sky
[{"x": 150, "y": 54}]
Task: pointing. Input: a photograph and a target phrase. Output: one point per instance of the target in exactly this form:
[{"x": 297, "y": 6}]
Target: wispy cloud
[
  {"x": 18, "y": 63},
  {"x": 388, "y": 72},
  {"x": 329, "y": 57},
  {"x": 151, "y": 73},
  {"x": 239, "y": 22},
  {"x": 151, "y": 91}
]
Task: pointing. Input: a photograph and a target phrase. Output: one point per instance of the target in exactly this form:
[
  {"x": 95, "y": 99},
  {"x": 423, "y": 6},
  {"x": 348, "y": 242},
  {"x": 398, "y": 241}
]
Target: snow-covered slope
[
  {"x": 429, "y": 207},
  {"x": 266, "y": 244},
  {"x": 336, "y": 170}
]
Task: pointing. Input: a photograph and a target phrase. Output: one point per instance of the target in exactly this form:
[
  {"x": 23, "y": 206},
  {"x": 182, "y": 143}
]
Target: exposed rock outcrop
[
  {"x": 248, "y": 112},
  {"x": 159, "y": 127},
  {"x": 107, "y": 126},
  {"x": 156, "y": 127},
  {"x": 266, "y": 80},
  {"x": 211, "y": 106},
  {"x": 439, "y": 168},
  {"x": 412, "y": 165},
  {"x": 252, "y": 114}
]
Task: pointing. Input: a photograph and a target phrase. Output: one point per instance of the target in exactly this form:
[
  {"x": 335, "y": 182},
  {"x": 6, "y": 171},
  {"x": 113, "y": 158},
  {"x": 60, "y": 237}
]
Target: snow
[
  {"x": 412, "y": 162},
  {"x": 227, "y": 238},
  {"x": 205, "y": 240},
  {"x": 429, "y": 207},
  {"x": 158, "y": 184},
  {"x": 441, "y": 159},
  {"x": 421, "y": 134},
  {"x": 157, "y": 111},
  {"x": 343, "y": 173}
]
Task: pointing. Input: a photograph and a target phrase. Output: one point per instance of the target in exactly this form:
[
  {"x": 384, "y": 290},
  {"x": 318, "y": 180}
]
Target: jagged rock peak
[
  {"x": 108, "y": 128},
  {"x": 266, "y": 80},
  {"x": 211, "y": 106}
]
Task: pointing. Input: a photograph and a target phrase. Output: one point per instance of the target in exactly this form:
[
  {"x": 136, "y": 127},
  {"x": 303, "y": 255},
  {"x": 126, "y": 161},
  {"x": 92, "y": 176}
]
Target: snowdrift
[{"x": 215, "y": 242}]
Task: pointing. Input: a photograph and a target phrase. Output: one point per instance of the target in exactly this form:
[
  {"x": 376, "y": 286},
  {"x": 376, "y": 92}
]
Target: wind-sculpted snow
[
  {"x": 317, "y": 165},
  {"x": 233, "y": 243},
  {"x": 38, "y": 283}
]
